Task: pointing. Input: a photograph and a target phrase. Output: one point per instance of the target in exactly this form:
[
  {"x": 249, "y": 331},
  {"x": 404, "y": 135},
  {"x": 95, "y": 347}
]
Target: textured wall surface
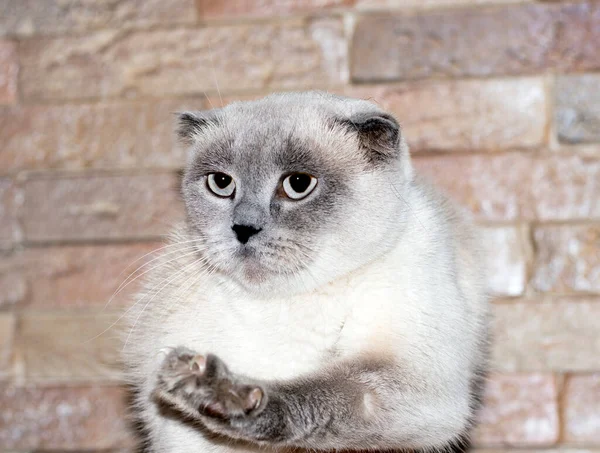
[{"x": 499, "y": 99}]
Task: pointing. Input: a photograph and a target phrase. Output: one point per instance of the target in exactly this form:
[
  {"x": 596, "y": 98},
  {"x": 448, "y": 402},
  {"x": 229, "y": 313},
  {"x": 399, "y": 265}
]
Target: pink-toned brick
[
  {"x": 472, "y": 115},
  {"x": 70, "y": 346},
  {"x": 567, "y": 259},
  {"x": 520, "y": 39},
  {"x": 81, "y": 136},
  {"x": 549, "y": 335},
  {"x": 582, "y": 410},
  {"x": 411, "y": 4},
  {"x": 9, "y": 70},
  {"x": 100, "y": 207},
  {"x": 226, "y": 9},
  {"x": 294, "y": 53},
  {"x": 9, "y": 229},
  {"x": 519, "y": 185},
  {"x": 577, "y": 112},
  {"x": 507, "y": 252},
  {"x": 33, "y": 17},
  {"x": 7, "y": 333},
  {"x": 84, "y": 276},
  {"x": 520, "y": 411},
  {"x": 13, "y": 283},
  {"x": 63, "y": 418}
]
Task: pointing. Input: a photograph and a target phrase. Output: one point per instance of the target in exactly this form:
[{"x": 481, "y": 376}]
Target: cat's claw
[{"x": 204, "y": 385}]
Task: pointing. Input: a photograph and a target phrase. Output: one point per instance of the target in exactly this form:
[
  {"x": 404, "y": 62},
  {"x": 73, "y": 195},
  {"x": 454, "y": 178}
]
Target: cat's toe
[
  {"x": 231, "y": 400},
  {"x": 181, "y": 365}
]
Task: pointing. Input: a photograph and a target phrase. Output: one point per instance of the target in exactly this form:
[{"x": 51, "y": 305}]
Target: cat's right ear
[{"x": 191, "y": 125}]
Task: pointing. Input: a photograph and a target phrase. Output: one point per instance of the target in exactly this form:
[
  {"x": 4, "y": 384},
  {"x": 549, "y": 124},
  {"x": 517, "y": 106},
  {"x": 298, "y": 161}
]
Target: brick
[
  {"x": 296, "y": 54},
  {"x": 69, "y": 277},
  {"x": 9, "y": 70},
  {"x": 559, "y": 335},
  {"x": 518, "y": 185},
  {"x": 85, "y": 207},
  {"x": 67, "y": 418},
  {"x": 507, "y": 253},
  {"x": 228, "y": 9},
  {"x": 78, "y": 345},
  {"x": 520, "y": 410},
  {"x": 582, "y": 409},
  {"x": 519, "y": 39},
  {"x": 411, "y": 4},
  {"x": 81, "y": 136},
  {"x": 469, "y": 115},
  {"x": 12, "y": 281},
  {"x": 566, "y": 187},
  {"x": 7, "y": 333},
  {"x": 577, "y": 113},
  {"x": 32, "y": 17},
  {"x": 9, "y": 228},
  {"x": 567, "y": 259}
]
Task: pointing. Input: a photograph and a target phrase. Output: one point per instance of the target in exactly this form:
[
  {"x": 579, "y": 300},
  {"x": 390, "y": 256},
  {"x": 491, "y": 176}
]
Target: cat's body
[{"x": 375, "y": 341}]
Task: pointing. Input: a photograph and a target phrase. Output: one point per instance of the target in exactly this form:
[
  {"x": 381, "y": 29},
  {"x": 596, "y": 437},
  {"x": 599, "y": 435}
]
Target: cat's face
[{"x": 282, "y": 193}]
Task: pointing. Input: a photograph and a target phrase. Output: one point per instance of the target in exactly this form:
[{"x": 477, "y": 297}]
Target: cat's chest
[{"x": 265, "y": 339}]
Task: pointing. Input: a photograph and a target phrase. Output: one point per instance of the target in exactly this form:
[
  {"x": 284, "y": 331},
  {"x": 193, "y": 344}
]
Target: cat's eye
[
  {"x": 299, "y": 185},
  {"x": 221, "y": 184}
]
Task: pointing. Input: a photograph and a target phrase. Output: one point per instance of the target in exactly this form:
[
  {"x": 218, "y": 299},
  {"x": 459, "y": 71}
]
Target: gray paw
[{"x": 202, "y": 385}]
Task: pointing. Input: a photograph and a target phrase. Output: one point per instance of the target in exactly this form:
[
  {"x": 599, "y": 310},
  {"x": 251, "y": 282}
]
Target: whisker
[
  {"x": 169, "y": 281},
  {"x": 127, "y": 282}
]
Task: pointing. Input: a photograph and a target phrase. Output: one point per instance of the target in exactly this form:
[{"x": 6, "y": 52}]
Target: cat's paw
[{"x": 202, "y": 385}]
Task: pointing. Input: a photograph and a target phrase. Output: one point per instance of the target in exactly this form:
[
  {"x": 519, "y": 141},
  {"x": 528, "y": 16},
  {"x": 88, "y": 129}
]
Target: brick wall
[{"x": 500, "y": 100}]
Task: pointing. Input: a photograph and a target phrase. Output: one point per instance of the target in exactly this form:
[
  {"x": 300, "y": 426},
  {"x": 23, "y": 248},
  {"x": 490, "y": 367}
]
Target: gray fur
[{"x": 378, "y": 274}]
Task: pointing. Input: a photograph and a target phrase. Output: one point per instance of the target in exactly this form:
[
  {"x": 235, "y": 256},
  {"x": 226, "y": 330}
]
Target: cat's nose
[{"x": 244, "y": 232}]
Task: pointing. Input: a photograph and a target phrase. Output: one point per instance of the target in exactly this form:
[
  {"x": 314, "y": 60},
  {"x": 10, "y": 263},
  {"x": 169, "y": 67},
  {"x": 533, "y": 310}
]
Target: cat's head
[{"x": 293, "y": 190}]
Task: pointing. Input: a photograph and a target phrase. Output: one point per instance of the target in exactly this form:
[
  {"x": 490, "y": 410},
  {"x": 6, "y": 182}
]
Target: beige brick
[
  {"x": 63, "y": 418},
  {"x": 100, "y": 207},
  {"x": 471, "y": 115},
  {"x": 29, "y": 17},
  {"x": 412, "y": 4},
  {"x": 560, "y": 335},
  {"x": 507, "y": 253},
  {"x": 582, "y": 410},
  {"x": 55, "y": 347},
  {"x": 577, "y": 113},
  {"x": 520, "y": 410},
  {"x": 518, "y": 39},
  {"x": 84, "y": 276},
  {"x": 13, "y": 284},
  {"x": 567, "y": 259},
  {"x": 296, "y": 53},
  {"x": 227, "y": 9},
  {"x": 519, "y": 185},
  {"x": 9, "y": 70},
  {"x": 9, "y": 229},
  {"x": 7, "y": 333},
  {"x": 566, "y": 187},
  {"x": 77, "y": 136}
]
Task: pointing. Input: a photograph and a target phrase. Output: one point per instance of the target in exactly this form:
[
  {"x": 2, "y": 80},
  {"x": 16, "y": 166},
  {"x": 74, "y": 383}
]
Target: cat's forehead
[{"x": 292, "y": 130}]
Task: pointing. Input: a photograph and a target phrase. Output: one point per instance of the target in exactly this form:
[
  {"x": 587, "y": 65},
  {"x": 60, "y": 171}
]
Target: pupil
[
  {"x": 300, "y": 182},
  {"x": 222, "y": 180}
]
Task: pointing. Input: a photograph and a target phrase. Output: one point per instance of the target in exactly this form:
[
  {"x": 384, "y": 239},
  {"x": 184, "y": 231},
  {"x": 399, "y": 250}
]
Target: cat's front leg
[{"x": 363, "y": 404}]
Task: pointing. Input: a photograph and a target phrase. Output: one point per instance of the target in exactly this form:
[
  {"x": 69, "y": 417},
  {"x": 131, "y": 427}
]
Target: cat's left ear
[
  {"x": 379, "y": 135},
  {"x": 192, "y": 124}
]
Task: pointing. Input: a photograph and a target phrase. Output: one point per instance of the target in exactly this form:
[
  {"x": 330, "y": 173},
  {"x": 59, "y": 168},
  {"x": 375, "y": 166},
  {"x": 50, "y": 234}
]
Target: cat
[{"x": 319, "y": 295}]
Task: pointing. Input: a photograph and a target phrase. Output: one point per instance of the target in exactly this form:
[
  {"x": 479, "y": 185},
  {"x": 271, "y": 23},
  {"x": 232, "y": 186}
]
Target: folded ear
[
  {"x": 379, "y": 134},
  {"x": 191, "y": 124}
]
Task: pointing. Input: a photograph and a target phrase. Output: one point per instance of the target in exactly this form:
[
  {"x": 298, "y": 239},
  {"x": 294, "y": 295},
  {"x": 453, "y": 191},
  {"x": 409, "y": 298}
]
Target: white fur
[{"x": 410, "y": 288}]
